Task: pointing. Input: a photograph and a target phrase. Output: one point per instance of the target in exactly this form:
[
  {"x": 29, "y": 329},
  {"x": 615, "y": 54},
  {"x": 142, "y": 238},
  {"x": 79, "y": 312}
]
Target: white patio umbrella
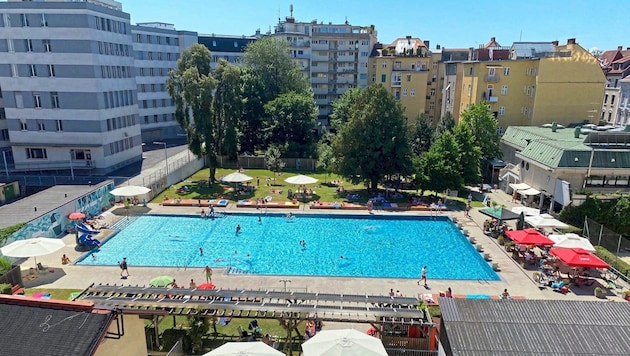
[
  {"x": 37, "y": 246},
  {"x": 236, "y": 177},
  {"x": 244, "y": 349},
  {"x": 344, "y": 342},
  {"x": 571, "y": 240},
  {"x": 545, "y": 221},
  {"x": 525, "y": 210},
  {"x": 129, "y": 191},
  {"x": 301, "y": 179}
]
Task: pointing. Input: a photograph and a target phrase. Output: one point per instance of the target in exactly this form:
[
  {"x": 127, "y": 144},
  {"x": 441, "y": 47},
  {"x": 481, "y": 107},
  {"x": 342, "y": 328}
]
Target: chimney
[
  {"x": 571, "y": 41},
  {"x": 426, "y": 43},
  {"x": 408, "y": 37},
  {"x": 554, "y": 126},
  {"x": 619, "y": 48},
  {"x": 555, "y": 43},
  {"x": 577, "y": 132},
  {"x": 492, "y": 39}
]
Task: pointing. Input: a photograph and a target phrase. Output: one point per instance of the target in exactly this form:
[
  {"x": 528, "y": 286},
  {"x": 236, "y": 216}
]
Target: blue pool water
[{"x": 388, "y": 247}]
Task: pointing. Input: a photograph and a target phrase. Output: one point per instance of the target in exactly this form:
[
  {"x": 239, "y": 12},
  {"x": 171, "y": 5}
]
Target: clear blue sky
[{"x": 448, "y": 23}]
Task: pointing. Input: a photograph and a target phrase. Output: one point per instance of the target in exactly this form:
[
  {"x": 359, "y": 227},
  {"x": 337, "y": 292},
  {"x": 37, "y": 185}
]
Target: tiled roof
[
  {"x": 492, "y": 43},
  {"x": 31, "y": 327},
  {"x": 217, "y": 43},
  {"x": 607, "y": 57},
  {"x": 535, "y": 327}
]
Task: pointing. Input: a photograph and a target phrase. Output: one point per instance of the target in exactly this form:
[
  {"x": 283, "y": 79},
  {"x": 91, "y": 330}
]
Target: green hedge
[
  {"x": 613, "y": 260},
  {"x": 6, "y": 288},
  {"x": 8, "y": 231},
  {"x": 5, "y": 266}
]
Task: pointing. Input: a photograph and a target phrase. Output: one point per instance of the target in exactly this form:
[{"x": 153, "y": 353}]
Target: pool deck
[{"x": 513, "y": 278}]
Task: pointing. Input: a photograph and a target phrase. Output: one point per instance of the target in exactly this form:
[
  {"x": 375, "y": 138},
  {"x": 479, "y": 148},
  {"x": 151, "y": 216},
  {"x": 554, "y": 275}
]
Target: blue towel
[{"x": 477, "y": 296}]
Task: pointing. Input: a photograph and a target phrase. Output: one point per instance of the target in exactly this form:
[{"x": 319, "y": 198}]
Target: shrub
[
  {"x": 6, "y": 288},
  {"x": 5, "y": 266},
  {"x": 613, "y": 260},
  {"x": 8, "y": 231}
]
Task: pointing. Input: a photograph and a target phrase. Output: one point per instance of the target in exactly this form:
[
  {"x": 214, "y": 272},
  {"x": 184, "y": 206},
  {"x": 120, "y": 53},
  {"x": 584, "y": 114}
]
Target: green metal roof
[{"x": 519, "y": 135}]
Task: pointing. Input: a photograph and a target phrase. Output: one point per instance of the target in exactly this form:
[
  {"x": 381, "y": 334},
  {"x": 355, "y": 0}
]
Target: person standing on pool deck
[
  {"x": 124, "y": 267},
  {"x": 423, "y": 276},
  {"x": 208, "y": 272}
]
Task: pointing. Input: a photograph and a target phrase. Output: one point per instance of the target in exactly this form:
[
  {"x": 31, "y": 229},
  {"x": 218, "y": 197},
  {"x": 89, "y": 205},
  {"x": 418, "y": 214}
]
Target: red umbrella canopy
[
  {"x": 529, "y": 237},
  {"x": 206, "y": 286},
  {"x": 76, "y": 216},
  {"x": 578, "y": 257}
]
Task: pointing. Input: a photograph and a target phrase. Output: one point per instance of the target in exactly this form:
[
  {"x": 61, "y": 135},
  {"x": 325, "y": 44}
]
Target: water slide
[
  {"x": 87, "y": 230},
  {"x": 87, "y": 240}
]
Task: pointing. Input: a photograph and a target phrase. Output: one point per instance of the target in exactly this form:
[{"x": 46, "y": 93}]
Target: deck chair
[{"x": 40, "y": 267}]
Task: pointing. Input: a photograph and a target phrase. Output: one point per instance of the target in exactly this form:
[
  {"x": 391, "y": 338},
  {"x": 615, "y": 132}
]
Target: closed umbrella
[
  {"x": 206, "y": 286},
  {"x": 38, "y": 246},
  {"x": 257, "y": 348},
  {"x": 76, "y": 216},
  {"x": 344, "y": 342},
  {"x": 301, "y": 179},
  {"x": 129, "y": 191},
  {"x": 161, "y": 281}
]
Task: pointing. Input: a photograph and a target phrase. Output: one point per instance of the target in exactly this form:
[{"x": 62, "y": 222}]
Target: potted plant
[
  {"x": 600, "y": 293},
  {"x": 508, "y": 246}
]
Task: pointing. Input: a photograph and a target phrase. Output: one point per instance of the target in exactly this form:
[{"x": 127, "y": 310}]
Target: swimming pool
[{"x": 372, "y": 246}]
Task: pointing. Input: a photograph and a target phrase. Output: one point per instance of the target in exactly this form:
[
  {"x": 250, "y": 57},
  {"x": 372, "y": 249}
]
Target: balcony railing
[
  {"x": 492, "y": 78},
  {"x": 396, "y": 83}
]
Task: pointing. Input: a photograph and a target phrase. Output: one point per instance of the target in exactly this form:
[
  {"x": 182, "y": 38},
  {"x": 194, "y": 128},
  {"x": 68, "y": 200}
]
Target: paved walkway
[{"x": 513, "y": 277}]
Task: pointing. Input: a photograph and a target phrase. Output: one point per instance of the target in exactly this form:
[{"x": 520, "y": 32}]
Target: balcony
[
  {"x": 300, "y": 43},
  {"x": 396, "y": 83},
  {"x": 492, "y": 78},
  {"x": 493, "y": 99}
]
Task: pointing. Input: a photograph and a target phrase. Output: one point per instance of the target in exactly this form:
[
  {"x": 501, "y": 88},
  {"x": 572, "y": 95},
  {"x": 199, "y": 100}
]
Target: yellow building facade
[
  {"x": 540, "y": 83},
  {"x": 410, "y": 72}
]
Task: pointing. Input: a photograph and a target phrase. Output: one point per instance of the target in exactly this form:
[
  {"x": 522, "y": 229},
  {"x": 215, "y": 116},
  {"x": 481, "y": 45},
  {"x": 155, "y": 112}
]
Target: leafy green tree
[
  {"x": 273, "y": 160},
  {"x": 341, "y": 107},
  {"x": 440, "y": 167},
  {"x": 484, "y": 127},
  {"x": 446, "y": 123},
  {"x": 227, "y": 108},
  {"x": 421, "y": 136},
  {"x": 268, "y": 72},
  {"x": 469, "y": 155},
  {"x": 191, "y": 85},
  {"x": 291, "y": 123},
  {"x": 373, "y": 143},
  {"x": 622, "y": 214}
]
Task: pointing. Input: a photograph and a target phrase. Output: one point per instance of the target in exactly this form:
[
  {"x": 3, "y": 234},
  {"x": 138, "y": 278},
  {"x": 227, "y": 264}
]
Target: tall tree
[
  {"x": 484, "y": 127},
  {"x": 227, "y": 108},
  {"x": 341, "y": 107},
  {"x": 440, "y": 167},
  {"x": 191, "y": 85},
  {"x": 273, "y": 160},
  {"x": 268, "y": 72},
  {"x": 291, "y": 123},
  {"x": 373, "y": 143},
  {"x": 421, "y": 135},
  {"x": 446, "y": 123},
  {"x": 470, "y": 155}
]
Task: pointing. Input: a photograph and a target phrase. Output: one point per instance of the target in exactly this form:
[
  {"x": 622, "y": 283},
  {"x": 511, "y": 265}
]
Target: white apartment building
[
  {"x": 333, "y": 56},
  {"x": 157, "y": 47}
]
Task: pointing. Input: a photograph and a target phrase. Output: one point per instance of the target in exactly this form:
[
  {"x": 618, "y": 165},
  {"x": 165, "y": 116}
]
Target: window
[
  {"x": 37, "y": 100},
  {"x": 48, "y": 47},
  {"x": 28, "y": 45},
  {"x": 139, "y": 38},
  {"x": 373, "y": 78},
  {"x": 36, "y": 153},
  {"x": 492, "y": 72},
  {"x": 44, "y": 23},
  {"x": 384, "y": 65},
  {"x": 40, "y": 125},
  {"x": 33, "y": 70},
  {"x": 54, "y": 98},
  {"x": 24, "y": 20},
  {"x": 23, "y": 125},
  {"x": 4, "y": 135},
  {"x": 81, "y": 155},
  {"x": 501, "y": 110},
  {"x": 51, "y": 70},
  {"x": 59, "y": 125},
  {"x": 504, "y": 90},
  {"x": 404, "y": 92},
  {"x": 397, "y": 65},
  {"x": 432, "y": 91},
  {"x": 506, "y": 71},
  {"x": 383, "y": 78},
  {"x": 10, "y": 47},
  {"x": 612, "y": 99},
  {"x": 606, "y": 99},
  {"x": 408, "y": 77},
  {"x": 14, "y": 70},
  {"x": 469, "y": 90},
  {"x": 412, "y": 92}
]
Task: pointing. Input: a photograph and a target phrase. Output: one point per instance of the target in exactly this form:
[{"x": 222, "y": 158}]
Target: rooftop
[
  {"x": 36, "y": 205},
  {"x": 535, "y": 327}
]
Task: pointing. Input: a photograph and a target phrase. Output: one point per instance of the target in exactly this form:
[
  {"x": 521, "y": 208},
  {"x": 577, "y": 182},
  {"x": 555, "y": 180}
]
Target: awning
[
  {"x": 519, "y": 186},
  {"x": 525, "y": 210},
  {"x": 529, "y": 191},
  {"x": 528, "y": 237},
  {"x": 577, "y": 257}
]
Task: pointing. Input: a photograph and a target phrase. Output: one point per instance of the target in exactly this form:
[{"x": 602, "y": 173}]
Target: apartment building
[
  {"x": 227, "y": 47},
  {"x": 408, "y": 69},
  {"x": 333, "y": 56},
  {"x": 616, "y": 67},
  {"x": 538, "y": 83},
  {"x": 156, "y": 47}
]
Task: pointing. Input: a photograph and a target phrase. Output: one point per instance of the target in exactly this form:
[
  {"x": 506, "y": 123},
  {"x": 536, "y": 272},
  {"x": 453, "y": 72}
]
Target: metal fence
[
  {"x": 616, "y": 243},
  {"x": 406, "y": 352}
]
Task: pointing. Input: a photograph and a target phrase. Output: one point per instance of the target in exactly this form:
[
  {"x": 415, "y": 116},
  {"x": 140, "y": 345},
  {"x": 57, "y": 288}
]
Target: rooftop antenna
[
  {"x": 291, "y": 10},
  {"x": 346, "y": 20},
  {"x": 520, "y": 36}
]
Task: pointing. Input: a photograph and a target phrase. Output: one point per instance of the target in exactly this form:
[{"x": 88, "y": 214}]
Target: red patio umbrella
[
  {"x": 578, "y": 257},
  {"x": 76, "y": 216},
  {"x": 529, "y": 237},
  {"x": 206, "y": 286}
]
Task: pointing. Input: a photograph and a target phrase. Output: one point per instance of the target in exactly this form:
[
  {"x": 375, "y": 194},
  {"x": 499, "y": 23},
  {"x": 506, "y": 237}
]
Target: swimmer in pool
[
  {"x": 259, "y": 220},
  {"x": 290, "y": 215},
  {"x": 238, "y": 229}
]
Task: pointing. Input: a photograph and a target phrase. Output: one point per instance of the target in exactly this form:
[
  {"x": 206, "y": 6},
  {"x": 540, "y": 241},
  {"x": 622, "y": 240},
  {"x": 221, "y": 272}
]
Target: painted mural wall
[{"x": 55, "y": 223}]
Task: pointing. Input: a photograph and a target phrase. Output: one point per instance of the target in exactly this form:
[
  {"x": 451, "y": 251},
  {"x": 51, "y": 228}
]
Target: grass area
[
  {"x": 61, "y": 294},
  {"x": 270, "y": 184}
]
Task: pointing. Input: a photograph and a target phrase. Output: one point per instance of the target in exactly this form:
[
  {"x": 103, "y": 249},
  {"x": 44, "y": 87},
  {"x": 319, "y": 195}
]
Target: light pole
[{"x": 165, "y": 153}]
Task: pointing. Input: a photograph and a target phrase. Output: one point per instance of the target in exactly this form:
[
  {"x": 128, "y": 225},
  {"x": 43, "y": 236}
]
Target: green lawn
[
  {"x": 325, "y": 192},
  {"x": 61, "y": 294}
]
